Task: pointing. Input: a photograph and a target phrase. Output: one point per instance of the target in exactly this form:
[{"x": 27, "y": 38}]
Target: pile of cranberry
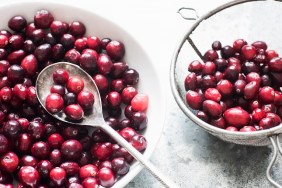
[
  {"x": 77, "y": 100},
  {"x": 237, "y": 87},
  {"x": 38, "y": 151}
]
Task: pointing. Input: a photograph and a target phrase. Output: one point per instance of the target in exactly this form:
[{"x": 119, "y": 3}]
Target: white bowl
[{"x": 136, "y": 57}]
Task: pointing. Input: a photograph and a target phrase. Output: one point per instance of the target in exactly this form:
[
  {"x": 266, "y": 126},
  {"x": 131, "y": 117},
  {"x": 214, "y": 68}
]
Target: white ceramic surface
[{"x": 135, "y": 56}]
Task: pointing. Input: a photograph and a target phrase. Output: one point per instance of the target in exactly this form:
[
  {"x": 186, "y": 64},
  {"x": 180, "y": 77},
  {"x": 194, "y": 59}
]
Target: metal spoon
[{"x": 95, "y": 118}]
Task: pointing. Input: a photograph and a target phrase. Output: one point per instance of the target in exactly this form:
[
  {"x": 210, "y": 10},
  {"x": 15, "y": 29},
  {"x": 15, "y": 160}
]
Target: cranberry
[
  {"x": 20, "y": 91},
  {"x": 260, "y": 45},
  {"x": 258, "y": 114},
  {"x": 54, "y": 103},
  {"x": 12, "y": 129},
  {"x": 101, "y": 82},
  {"x": 94, "y": 43},
  {"x": 29, "y": 46},
  {"x": 75, "y": 85},
  {"x": 85, "y": 99},
  {"x": 140, "y": 102},
  {"x": 118, "y": 69},
  {"x": 4, "y": 65},
  {"x": 99, "y": 136},
  {"x": 210, "y": 55},
  {"x": 114, "y": 99},
  {"x": 58, "y": 28},
  {"x": 212, "y": 94},
  {"x": 120, "y": 166},
  {"x": 239, "y": 86},
  {"x": 43, "y": 52},
  {"x": 59, "y": 89},
  {"x": 247, "y": 129},
  {"x": 71, "y": 180},
  {"x": 195, "y": 66},
  {"x": 275, "y": 64},
  {"x": 90, "y": 183},
  {"x": 190, "y": 82},
  {"x": 24, "y": 143},
  {"x": 270, "y": 54},
  {"x": 71, "y": 149},
  {"x": 16, "y": 57},
  {"x": 88, "y": 171},
  {"x": 36, "y": 129},
  {"x": 75, "y": 185},
  {"x": 139, "y": 142},
  {"x": 74, "y": 112},
  {"x": 275, "y": 118},
  {"x": 268, "y": 108},
  {"x": 4, "y": 144},
  {"x": 9, "y": 162},
  {"x": 216, "y": 45},
  {"x": 131, "y": 76},
  {"x": 208, "y": 68},
  {"x": 102, "y": 151},
  {"x": 85, "y": 159},
  {"x": 227, "y": 52},
  {"x": 43, "y": 19},
  {"x": 40, "y": 150},
  {"x": 203, "y": 116},
  {"x": 58, "y": 176},
  {"x": 77, "y": 29},
  {"x": 212, "y": 108},
  {"x": 238, "y": 44},
  {"x": 70, "y": 132},
  {"x": 208, "y": 81},
  {"x": 60, "y": 76},
  {"x": 67, "y": 40},
  {"x": 225, "y": 87},
  {"x": 6, "y": 94},
  {"x": 55, "y": 140},
  {"x": 58, "y": 52},
  {"x": 17, "y": 23},
  {"x": 104, "y": 64},
  {"x": 72, "y": 56},
  {"x": 231, "y": 128},
  {"x": 251, "y": 90},
  {"x": 267, "y": 123},
  {"x": 266, "y": 94},
  {"x": 277, "y": 98},
  {"x": 29, "y": 65},
  {"x": 29, "y": 176},
  {"x": 236, "y": 117},
  {"x": 115, "y": 49},
  {"x": 15, "y": 73},
  {"x": 106, "y": 177},
  {"x": 71, "y": 168},
  {"x": 55, "y": 157},
  {"x": 28, "y": 160}
]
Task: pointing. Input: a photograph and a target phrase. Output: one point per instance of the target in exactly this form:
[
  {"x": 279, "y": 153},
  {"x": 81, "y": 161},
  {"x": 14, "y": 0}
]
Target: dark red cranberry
[
  {"x": 266, "y": 80},
  {"x": 60, "y": 76},
  {"x": 212, "y": 108},
  {"x": 139, "y": 142},
  {"x": 4, "y": 65},
  {"x": 70, "y": 98},
  {"x": 231, "y": 73},
  {"x": 208, "y": 81},
  {"x": 248, "y": 52},
  {"x": 71, "y": 168},
  {"x": 77, "y": 29},
  {"x": 43, "y": 19},
  {"x": 9, "y": 162},
  {"x": 269, "y": 108},
  {"x": 15, "y": 73},
  {"x": 88, "y": 171},
  {"x": 249, "y": 66},
  {"x": 43, "y": 52},
  {"x": 29, "y": 46},
  {"x": 12, "y": 129},
  {"x": 220, "y": 123},
  {"x": 74, "y": 112},
  {"x": 251, "y": 90},
  {"x": 203, "y": 116},
  {"x": 267, "y": 123},
  {"x": 58, "y": 176},
  {"x": 72, "y": 56},
  {"x": 17, "y": 23},
  {"x": 277, "y": 98},
  {"x": 118, "y": 69},
  {"x": 31, "y": 96},
  {"x": 101, "y": 82},
  {"x": 227, "y": 52},
  {"x": 210, "y": 55},
  {"x": 6, "y": 94},
  {"x": 16, "y": 42},
  {"x": 27, "y": 82},
  {"x": 270, "y": 54},
  {"x": 102, "y": 151},
  {"x": 113, "y": 122},
  {"x": 99, "y": 136},
  {"x": 275, "y": 64},
  {"x": 195, "y": 66},
  {"x": 216, "y": 45},
  {"x": 59, "y": 89},
  {"x": 29, "y": 176},
  {"x": 239, "y": 86},
  {"x": 38, "y": 36},
  {"x": 115, "y": 49},
  {"x": 24, "y": 142},
  {"x": 58, "y": 28},
  {"x": 3, "y": 53},
  {"x": 190, "y": 82},
  {"x": 29, "y": 65},
  {"x": 85, "y": 99},
  {"x": 67, "y": 40},
  {"x": 16, "y": 57},
  {"x": 40, "y": 150},
  {"x": 92, "y": 52},
  {"x": 238, "y": 44},
  {"x": 85, "y": 159},
  {"x": 54, "y": 103},
  {"x": 70, "y": 132},
  {"x": 131, "y": 76},
  {"x": 106, "y": 177},
  {"x": 105, "y": 42},
  {"x": 50, "y": 39},
  {"x": 20, "y": 91},
  {"x": 104, "y": 64},
  {"x": 118, "y": 85},
  {"x": 208, "y": 68},
  {"x": 58, "y": 52},
  {"x": 127, "y": 94},
  {"x": 221, "y": 64},
  {"x": 275, "y": 118},
  {"x": 44, "y": 167},
  {"x": 71, "y": 149},
  {"x": 260, "y": 45},
  {"x": 266, "y": 94},
  {"x": 236, "y": 117},
  {"x": 75, "y": 85},
  {"x": 55, "y": 140},
  {"x": 86, "y": 142},
  {"x": 55, "y": 157},
  {"x": 28, "y": 160},
  {"x": 4, "y": 144},
  {"x": 88, "y": 62},
  {"x": 120, "y": 166},
  {"x": 114, "y": 99},
  {"x": 128, "y": 111}
]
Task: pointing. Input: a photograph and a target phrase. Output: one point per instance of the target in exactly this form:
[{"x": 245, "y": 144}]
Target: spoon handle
[{"x": 139, "y": 157}]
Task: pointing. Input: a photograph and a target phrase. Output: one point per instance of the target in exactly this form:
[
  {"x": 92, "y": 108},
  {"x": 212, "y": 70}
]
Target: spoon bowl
[{"x": 95, "y": 116}]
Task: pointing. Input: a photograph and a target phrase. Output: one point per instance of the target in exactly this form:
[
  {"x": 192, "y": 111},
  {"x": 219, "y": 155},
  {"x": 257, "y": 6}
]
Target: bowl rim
[
  {"x": 174, "y": 87},
  {"x": 135, "y": 167}
]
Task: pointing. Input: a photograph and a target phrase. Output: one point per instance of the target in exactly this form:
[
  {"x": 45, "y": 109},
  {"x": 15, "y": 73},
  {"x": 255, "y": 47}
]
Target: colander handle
[{"x": 276, "y": 148}]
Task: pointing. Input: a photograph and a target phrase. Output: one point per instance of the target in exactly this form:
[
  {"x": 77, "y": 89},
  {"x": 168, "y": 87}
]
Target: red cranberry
[
  {"x": 24, "y": 143},
  {"x": 72, "y": 56},
  {"x": 208, "y": 81},
  {"x": 102, "y": 151},
  {"x": 210, "y": 55},
  {"x": 259, "y": 45},
  {"x": 101, "y": 82},
  {"x": 58, "y": 176},
  {"x": 248, "y": 52},
  {"x": 29, "y": 46},
  {"x": 106, "y": 177},
  {"x": 43, "y": 52},
  {"x": 74, "y": 112},
  {"x": 9, "y": 162},
  {"x": 71, "y": 180},
  {"x": 115, "y": 49},
  {"x": 208, "y": 68},
  {"x": 258, "y": 114},
  {"x": 120, "y": 166},
  {"x": 230, "y": 128},
  {"x": 203, "y": 116},
  {"x": 275, "y": 118},
  {"x": 16, "y": 42},
  {"x": 54, "y": 103},
  {"x": 88, "y": 171},
  {"x": 71, "y": 149},
  {"x": 104, "y": 64},
  {"x": 270, "y": 54},
  {"x": 6, "y": 94},
  {"x": 128, "y": 94},
  {"x": 4, "y": 144},
  {"x": 43, "y": 19},
  {"x": 139, "y": 142},
  {"x": 238, "y": 44},
  {"x": 247, "y": 129},
  {"x": 71, "y": 168},
  {"x": 55, "y": 157},
  {"x": 20, "y": 91},
  {"x": 275, "y": 64},
  {"x": 239, "y": 86},
  {"x": 29, "y": 176},
  {"x": 267, "y": 123},
  {"x": 29, "y": 65},
  {"x": 92, "y": 52},
  {"x": 212, "y": 94},
  {"x": 90, "y": 183},
  {"x": 114, "y": 99},
  {"x": 59, "y": 89},
  {"x": 17, "y": 23},
  {"x": 99, "y": 136},
  {"x": 225, "y": 87},
  {"x": 85, "y": 99},
  {"x": 67, "y": 40},
  {"x": 253, "y": 76},
  {"x": 36, "y": 129},
  {"x": 77, "y": 29},
  {"x": 40, "y": 150},
  {"x": 118, "y": 69},
  {"x": 131, "y": 76},
  {"x": 58, "y": 52},
  {"x": 12, "y": 129},
  {"x": 58, "y": 28},
  {"x": 251, "y": 90},
  {"x": 269, "y": 108},
  {"x": 216, "y": 45},
  {"x": 212, "y": 108},
  {"x": 15, "y": 73},
  {"x": 140, "y": 102},
  {"x": 266, "y": 94},
  {"x": 44, "y": 167},
  {"x": 195, "y": 66},
  {"x": 4, "y": 65},
  {"x": 127, "y": 133},
  {"x": 277, "y": 98},
  {"x": 236, "y": 117},
  {"x": 38, "y": 36},
  {"x": 55, "y": 140},
  {"x": 16, "y": 57},
  {"x": 88, "y": 62},
  {"x": 220, "y": 123},
  {"x": 227, "y": 52},
  {"x": 190, "y": 82},
  {"x": 75, "y": 85},
  {"x": 28, "y": 160}
]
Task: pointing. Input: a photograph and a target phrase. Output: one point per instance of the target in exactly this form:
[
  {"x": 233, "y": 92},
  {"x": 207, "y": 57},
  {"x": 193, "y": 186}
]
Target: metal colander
[{"x": 248, "y": 19}]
